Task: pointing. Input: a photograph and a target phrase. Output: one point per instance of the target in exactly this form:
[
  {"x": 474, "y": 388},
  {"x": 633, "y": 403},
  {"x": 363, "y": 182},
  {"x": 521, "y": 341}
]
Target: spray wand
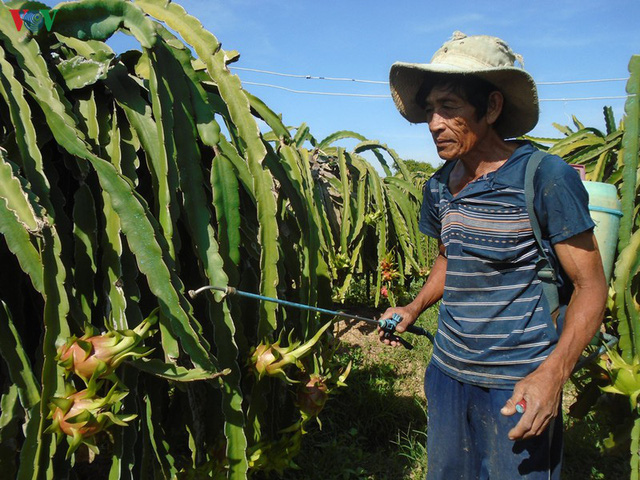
[{"x": 387, "y": 325}]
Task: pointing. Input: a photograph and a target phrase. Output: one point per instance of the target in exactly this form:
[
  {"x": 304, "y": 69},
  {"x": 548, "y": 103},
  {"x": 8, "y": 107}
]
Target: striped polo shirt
[{"x": 494, "y": 323}]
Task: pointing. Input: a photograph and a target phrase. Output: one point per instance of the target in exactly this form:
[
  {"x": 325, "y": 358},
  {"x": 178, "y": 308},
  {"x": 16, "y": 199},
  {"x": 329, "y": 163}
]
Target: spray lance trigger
[{"x": 388, "y": 326}]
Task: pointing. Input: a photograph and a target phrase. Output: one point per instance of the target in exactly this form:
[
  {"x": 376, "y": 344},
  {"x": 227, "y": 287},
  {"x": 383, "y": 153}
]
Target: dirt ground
[{"x": 364, "y": 337}]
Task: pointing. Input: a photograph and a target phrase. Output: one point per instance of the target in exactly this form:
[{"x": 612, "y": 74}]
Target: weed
[{"x": 413, "y": 446}]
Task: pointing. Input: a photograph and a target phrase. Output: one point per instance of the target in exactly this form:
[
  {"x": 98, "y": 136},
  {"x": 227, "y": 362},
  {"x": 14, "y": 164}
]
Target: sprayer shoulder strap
[
  {"x": 443, "y": 178},
  {"x": 546, "y": 273}
]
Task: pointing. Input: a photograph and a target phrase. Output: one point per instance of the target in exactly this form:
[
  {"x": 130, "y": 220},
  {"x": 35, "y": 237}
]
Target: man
[{"x": 498, "y": 345}]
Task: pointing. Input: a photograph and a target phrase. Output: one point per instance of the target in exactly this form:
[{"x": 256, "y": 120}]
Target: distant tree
[{"x": 415, "y": 166}]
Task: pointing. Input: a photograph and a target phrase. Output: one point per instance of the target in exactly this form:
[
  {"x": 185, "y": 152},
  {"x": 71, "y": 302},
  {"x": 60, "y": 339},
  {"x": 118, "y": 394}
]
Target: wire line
[
  {"x": 364, "y": 95},
  {"x": 306, "y": 92},
  {"x": 579, "y": 99},
  {"x": 379, "y": 82},
  {"x": 597, "y": 80},
  {"x": 310, "y": 77}
]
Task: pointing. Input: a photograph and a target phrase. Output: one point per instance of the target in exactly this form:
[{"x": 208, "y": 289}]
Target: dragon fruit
[
  {"x": 97, "y": 356},
  {"x": 81, "y": 415}
]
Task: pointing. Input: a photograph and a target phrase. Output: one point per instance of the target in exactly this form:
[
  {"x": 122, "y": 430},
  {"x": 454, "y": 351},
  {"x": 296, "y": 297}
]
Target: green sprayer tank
[{"x": 604, "y": 207}]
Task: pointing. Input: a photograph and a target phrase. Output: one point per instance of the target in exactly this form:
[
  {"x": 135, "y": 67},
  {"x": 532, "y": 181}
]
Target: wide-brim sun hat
[{"x": 489, "y": 58}]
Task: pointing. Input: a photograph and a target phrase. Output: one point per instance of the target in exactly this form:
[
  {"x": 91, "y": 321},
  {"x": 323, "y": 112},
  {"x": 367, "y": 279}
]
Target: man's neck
[{"x": 486, "y": 158}]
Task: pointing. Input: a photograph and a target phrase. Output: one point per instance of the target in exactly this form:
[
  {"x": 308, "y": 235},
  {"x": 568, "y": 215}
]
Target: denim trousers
[{"x": 467, "y": 435}]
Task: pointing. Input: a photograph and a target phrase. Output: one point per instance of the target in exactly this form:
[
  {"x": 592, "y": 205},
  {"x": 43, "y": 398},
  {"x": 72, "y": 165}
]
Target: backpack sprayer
[{"x": 387, "y": 325}]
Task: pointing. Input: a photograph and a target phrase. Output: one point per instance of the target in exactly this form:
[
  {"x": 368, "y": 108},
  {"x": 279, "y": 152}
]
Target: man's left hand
[{"x": 541, "y": 390}]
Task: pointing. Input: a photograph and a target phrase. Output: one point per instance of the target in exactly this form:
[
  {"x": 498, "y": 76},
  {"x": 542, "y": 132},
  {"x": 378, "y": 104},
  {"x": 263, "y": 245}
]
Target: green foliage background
[{"x": 128, "y": 180}]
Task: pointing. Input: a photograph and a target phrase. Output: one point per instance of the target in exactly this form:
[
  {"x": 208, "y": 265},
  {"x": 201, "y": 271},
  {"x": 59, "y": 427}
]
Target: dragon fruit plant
[
  {"x": 312, "y": 393},
  {"x": 127, "y": 178}
]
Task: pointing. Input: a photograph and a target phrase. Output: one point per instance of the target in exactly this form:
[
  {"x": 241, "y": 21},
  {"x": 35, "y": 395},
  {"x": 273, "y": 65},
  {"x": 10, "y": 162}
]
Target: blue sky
[{"x": 559, "y": 40}]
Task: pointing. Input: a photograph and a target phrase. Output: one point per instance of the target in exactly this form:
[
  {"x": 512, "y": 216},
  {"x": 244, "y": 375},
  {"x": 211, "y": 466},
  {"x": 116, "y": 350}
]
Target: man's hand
[
  {"x": 430, "y": 293},
  {"x": 408, "y": 315},
  {"x": 541, "y": 390}
]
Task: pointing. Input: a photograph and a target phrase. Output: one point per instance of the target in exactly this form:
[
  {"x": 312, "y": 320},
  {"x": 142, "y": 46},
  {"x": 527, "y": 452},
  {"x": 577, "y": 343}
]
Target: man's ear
[{"x": 494, "y": 107}]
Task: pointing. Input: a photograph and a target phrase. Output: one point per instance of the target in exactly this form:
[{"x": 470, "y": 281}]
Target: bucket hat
[{"x": 489, "y": 58}]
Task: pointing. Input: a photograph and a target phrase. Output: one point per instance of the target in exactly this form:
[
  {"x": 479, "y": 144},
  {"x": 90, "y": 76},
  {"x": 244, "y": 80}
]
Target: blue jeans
[{"x": 467, "y": 435}]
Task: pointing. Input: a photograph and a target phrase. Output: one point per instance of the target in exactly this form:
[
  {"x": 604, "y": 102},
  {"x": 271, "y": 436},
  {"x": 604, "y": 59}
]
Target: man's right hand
[
  {"x": 430, "y": 293},
  {"x": 409, "y": 317}
]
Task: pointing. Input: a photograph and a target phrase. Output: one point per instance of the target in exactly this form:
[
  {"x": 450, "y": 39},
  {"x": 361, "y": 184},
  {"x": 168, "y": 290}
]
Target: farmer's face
[{"x": 453, "y": 124}]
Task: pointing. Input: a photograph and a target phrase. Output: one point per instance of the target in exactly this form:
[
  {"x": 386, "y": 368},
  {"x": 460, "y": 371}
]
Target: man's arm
[
  {"x": 430, "y": 293},
  {"x": 542, "y": 389}
]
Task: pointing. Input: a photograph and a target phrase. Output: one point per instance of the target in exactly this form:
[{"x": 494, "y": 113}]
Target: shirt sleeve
[
  {"x": 429, "y": 223},
  {"x": 561, "y": 200}
]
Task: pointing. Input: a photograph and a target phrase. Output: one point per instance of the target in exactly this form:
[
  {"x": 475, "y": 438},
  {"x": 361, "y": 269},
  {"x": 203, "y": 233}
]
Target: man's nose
[{"x": 435, "y": 122}]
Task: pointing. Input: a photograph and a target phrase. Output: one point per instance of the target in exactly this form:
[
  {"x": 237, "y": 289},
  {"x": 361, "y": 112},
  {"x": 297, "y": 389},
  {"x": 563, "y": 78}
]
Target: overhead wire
[
  {"x": 335, "y": 94},
  {"x": 571, "y": 82},
  {"x": 579, "y": 99},
  {"x": 365, "y": 95},
  {"x": 310, "y": 77},
  {"x": 379, "y": 82}
]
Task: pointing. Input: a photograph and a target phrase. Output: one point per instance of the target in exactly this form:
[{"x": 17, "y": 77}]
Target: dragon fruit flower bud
[
  {"x": 263, "y": 356},
  {"x": 625, "y": 377},
  {"x": 271, "y": 359}
]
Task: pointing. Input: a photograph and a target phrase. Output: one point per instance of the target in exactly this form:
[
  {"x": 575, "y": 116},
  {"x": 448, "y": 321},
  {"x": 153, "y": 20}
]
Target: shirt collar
[{"x": 510, "y": 174}]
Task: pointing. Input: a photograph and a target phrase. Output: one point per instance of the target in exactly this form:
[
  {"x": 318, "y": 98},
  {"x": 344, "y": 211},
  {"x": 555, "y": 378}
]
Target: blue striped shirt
[{"x": 494, "y": 323}]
